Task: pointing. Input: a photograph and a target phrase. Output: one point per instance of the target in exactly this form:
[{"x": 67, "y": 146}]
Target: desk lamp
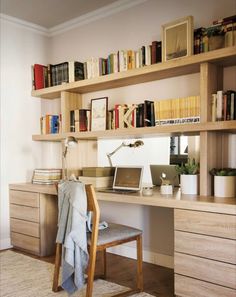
[
  {"x": 137, "y": 143},
  {"x": 70, "y": 141}
]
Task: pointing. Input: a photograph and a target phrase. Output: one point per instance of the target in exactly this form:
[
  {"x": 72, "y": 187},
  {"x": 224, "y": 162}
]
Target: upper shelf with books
[
  {"x": 166, "y": 130},
  {"x": 182, "y": 66}
]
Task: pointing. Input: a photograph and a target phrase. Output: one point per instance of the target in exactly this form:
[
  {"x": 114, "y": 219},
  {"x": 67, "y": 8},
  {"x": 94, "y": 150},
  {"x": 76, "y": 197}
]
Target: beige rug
[{"x": 23, "y": 276}]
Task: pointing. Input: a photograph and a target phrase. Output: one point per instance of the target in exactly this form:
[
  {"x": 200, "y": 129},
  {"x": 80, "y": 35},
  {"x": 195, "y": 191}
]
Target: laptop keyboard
[{"x": 117, "y": 191}]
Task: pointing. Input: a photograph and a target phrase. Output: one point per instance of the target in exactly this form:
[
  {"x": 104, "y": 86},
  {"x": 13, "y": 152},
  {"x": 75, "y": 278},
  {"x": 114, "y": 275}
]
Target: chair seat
[{"x": 114, "y": 232}]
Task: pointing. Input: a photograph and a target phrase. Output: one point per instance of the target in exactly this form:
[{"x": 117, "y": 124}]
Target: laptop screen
[
  {"x": 129, "y": 178},
  {"x": 169, "y": 170}
]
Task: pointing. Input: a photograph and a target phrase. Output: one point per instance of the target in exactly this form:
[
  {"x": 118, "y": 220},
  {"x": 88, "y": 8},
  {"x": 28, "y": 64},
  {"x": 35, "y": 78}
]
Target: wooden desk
[{"x": 205, "y": 236}]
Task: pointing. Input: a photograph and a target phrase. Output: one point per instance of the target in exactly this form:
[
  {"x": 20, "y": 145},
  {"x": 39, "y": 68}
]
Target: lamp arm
[{"x": 113, "y": 152}]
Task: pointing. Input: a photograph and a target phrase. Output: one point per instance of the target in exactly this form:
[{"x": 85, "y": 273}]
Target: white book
[
  {"x": 137, "y": 60},
  {"x": 147, "y": 55},
  {"x": 213, "y": 107},
  {"x": 125, "y": 60},
  {"x": 121, "y": 60},
  {"x": 115, "y": 63},
  {"x": 219, "y": 105}
]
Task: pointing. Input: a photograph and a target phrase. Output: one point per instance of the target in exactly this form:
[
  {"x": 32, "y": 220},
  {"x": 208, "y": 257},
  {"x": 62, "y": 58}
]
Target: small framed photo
[
  {"x": 99, "y": 109},
  {"x": 177, "y": 39}
]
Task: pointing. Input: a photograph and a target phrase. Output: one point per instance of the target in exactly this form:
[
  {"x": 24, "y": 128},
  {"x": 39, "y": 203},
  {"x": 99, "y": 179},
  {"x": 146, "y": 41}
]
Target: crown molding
[
  {"x": 27, "y": 25},
  {"x": 87, "y": 18},
  {"x": 97, "y": 14}
]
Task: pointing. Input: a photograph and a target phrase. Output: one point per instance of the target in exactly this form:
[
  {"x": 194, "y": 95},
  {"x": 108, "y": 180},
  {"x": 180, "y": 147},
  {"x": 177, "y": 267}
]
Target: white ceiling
[{"x": 50, "y": 13}]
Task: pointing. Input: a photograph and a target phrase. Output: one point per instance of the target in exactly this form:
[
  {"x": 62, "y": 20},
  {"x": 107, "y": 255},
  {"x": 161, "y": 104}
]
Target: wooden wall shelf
[
  {"x": 182, "y": 66},
  {"x": 185, "y": 129}
]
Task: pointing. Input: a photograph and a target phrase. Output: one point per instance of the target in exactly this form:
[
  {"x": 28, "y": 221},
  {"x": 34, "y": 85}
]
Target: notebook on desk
[
  {"x": 126, "y": 180},
  {"x": 169, "y": 170}
]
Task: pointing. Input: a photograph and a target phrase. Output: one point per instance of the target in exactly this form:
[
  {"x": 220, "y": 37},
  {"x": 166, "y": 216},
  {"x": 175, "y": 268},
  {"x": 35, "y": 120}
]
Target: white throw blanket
[{"x": 72, "y": 205}]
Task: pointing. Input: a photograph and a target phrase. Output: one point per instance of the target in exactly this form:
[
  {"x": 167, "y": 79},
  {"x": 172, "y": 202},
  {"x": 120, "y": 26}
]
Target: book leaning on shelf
[{"x": 46, "y": 176}]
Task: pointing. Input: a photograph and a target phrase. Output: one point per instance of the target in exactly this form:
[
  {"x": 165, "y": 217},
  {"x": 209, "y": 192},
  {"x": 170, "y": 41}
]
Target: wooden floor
[{"x": 158, "y": 281}]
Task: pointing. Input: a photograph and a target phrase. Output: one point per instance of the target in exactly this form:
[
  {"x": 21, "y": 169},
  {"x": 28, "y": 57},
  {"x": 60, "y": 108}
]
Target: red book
[{"x": 39, "y": 76}]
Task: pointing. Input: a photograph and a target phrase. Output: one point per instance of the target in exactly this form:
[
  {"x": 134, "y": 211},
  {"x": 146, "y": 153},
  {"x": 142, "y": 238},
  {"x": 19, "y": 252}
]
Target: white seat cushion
[{"x": 115, "y": 232}]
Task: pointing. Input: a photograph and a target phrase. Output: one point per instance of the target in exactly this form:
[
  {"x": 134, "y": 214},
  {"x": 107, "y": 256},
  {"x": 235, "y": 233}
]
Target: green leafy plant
[
  {"x": 223, "y": 171},
  {"x": 191, "y": 167}
]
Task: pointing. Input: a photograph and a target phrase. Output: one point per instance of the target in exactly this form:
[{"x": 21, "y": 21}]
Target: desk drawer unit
[
  {"x": 205, "y": 254},
  {"x": 33, "y": 221}
]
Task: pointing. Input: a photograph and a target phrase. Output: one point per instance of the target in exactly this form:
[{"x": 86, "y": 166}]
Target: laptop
[
  {"x": 126, "y": 180},
  {"x": 169, "y": 170}
]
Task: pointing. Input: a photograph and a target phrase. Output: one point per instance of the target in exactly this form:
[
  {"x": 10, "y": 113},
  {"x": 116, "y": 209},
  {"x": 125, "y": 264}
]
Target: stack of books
[{"x": 46, "y": 176}]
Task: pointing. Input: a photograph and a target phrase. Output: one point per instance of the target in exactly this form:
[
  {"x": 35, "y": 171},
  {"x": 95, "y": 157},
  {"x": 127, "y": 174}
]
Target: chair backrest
[{"x": 92, "y": 205}]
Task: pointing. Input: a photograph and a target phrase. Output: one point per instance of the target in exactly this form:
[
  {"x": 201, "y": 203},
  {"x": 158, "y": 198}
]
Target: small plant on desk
[
  {"x": 188, "y": 176},
  {"x": 224, "y": 182}
]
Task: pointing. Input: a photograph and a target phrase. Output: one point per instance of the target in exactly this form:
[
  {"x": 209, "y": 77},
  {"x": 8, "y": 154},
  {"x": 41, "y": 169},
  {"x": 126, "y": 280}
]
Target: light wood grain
[
  {"x": 182, "y": 66},
  {"x": 167, "y": 130},
  {"x": 24, "y": 213},
  {"x": 48, "y": 224},
  {"x": 213, "y": 224},
  {"x": 24, "y": 227},
  {"x": 178, "y": 201},
  {"x": 219, "y": 273},
  {"x": 69, "y": 101},
  {"x": 210, "y": 247},
  {"x": 25, "y": 242},
  {"x": 190, "y": 287},
  {"x": 24, "y": 198}
]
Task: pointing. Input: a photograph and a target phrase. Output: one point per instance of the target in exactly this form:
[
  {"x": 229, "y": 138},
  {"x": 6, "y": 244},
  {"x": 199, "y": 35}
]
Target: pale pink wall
[{"x": 131, "y": 29}]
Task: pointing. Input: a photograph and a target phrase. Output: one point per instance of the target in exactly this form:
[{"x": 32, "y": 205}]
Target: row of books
[
  {"x": 44, "y": 76},
  {"x": 46, "y": 176},
  {"x": 146, "y": 114},
  {"x": 80, "y": 120},
  {"x": 53, "y": 75},
  {"x": 222, "y": 33},
  {"x": 154, "y": 113},
  {"x": 123, "y": 60},
  {"x": 224, "y": 106},
  {"x": 50, "y": 124}
]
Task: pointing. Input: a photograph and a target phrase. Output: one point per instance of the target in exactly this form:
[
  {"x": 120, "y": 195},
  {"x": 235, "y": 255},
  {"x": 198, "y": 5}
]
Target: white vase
[
  {"x": 224, "y": 186},
  {"x": 189, "y": 184}
]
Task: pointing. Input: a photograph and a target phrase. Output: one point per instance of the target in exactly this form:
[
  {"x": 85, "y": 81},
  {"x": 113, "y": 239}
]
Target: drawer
[
  {"x": 26, "y": 242},
  {"x": 24, "y": 212},
  {"x": 190, "y": 287},
  {"x": 214, "y": 248},
  {"x": 219, "y": 273},
  {"x": 24, "y": 198},
  {"x": 214, "y": 224},
  {"x": 25, "y": 227}
]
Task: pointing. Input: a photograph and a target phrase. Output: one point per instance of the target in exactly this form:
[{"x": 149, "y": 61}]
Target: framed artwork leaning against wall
[
  {"x": 177, "y": 39},
  {"x": 99, "y": 109}
]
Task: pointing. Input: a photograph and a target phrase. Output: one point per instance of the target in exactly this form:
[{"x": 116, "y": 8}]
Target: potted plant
[
  {"x": 224, "y": 182},
  {"x": 188, "y": 177}
]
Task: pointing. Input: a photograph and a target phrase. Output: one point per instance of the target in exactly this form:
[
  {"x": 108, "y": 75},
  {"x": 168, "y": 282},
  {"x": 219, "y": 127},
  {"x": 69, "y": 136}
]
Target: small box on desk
[
  {"x": 98, "y": 171},
  {"x": 97, "y": 181}
]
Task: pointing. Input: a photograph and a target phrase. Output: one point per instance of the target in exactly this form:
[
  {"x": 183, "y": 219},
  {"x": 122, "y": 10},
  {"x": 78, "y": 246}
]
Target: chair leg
[
  {"x": 91, "y": 272},
  {"x": 139, "y": 263},
  {"x": 55, "y": 287},
  {"x": 104, "y": 263}
]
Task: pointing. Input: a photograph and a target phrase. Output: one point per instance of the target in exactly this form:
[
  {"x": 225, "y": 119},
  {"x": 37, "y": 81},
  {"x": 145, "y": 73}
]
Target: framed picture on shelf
[
  {"x": 99, "y": 108},
  {"x": 177, "y": 39}
]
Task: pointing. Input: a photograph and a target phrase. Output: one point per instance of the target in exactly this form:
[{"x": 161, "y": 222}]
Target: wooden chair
[{"x": 101, "y": 240}]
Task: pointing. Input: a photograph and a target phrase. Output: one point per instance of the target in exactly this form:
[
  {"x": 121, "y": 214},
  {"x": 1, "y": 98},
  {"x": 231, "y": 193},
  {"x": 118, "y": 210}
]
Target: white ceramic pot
[
  {"x": 224, "y": 186},
  {"x": 189, "y": 184}
]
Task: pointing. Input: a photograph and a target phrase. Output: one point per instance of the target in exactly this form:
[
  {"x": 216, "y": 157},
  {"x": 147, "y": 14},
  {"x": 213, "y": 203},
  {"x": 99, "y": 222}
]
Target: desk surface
[{"x": 201, "y": 203}]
